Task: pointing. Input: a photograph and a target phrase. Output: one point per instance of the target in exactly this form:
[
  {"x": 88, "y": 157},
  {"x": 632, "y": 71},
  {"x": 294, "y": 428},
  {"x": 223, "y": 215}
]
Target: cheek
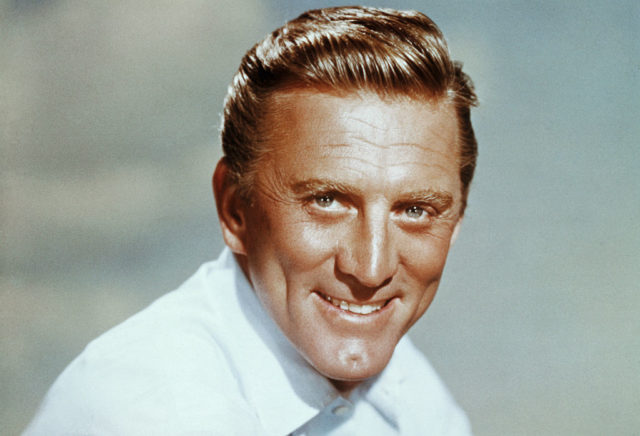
[
  {"x": 302, "y": 245},
  {"x": 426, "y": 257},
  {"x": 425, "y": 264}
]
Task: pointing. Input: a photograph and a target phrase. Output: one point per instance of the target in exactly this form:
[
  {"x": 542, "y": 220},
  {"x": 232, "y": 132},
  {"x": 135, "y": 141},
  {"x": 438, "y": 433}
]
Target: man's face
[{"x": 352, "y": 217}]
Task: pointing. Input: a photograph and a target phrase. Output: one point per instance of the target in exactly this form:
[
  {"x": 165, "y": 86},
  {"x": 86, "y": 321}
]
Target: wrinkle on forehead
[
  {"x": 369, "y": 124},
  {"x": 353, "y": 127},
  {"x": 356, "y": 106},
  {"x": 357, "y": 152},
  {"x": 392, "y": 146}
]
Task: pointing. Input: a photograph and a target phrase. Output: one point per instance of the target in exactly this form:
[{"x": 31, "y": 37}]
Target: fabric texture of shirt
[{"x": 207, "y": 359}]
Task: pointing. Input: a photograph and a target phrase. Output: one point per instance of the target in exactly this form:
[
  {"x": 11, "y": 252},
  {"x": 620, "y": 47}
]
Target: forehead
[
  {"x": 361, "y": 136},
  {"x": 296, "y": 113}
]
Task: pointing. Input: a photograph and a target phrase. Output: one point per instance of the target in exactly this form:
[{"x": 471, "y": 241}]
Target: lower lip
[{"x": 336, "y": 314}]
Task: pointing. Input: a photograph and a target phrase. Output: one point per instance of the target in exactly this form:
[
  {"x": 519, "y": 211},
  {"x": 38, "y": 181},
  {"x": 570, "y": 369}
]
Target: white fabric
[{"x": 207, "y": 359}]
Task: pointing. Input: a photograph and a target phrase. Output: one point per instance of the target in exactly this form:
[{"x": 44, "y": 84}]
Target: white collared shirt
[{"x": 207, "y": 359}]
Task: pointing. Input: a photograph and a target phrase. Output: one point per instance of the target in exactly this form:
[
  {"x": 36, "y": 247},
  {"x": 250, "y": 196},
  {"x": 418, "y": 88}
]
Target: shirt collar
[
  {"x": 383, "y": 391},
  {"x": 282, "y": 387}
]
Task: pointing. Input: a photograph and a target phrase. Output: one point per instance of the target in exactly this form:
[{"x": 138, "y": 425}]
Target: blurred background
[{"x": 109, "y": 117}]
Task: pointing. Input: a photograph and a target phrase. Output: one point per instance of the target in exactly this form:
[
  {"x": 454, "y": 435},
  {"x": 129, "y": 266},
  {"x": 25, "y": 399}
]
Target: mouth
[{"x": 358, "y": 309}]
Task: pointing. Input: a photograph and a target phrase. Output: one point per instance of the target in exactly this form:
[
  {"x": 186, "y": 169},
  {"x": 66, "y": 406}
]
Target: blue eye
[
  {"x": 414, "y": 211},
  {"x": 324, "y": 200}
]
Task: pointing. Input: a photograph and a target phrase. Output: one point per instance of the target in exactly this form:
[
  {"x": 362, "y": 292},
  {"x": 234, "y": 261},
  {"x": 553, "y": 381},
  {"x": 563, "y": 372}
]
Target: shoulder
[
  {"x": 426, "y": 401},
  {"x": 163, "y": 370}
]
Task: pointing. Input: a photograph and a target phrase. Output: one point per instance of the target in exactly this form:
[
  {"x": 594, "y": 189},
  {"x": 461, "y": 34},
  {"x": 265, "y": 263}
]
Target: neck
[{"x": 345, "y": 387}]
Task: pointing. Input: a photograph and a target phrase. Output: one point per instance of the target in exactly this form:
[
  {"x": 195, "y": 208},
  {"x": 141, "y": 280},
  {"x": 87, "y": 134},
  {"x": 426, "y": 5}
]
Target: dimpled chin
[{"x": 349, "y": 359}]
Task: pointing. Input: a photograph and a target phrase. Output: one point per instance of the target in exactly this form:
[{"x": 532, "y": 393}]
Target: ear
[
  {"x": 230, "y": 205},
  {"x": 456, "y": 230}
]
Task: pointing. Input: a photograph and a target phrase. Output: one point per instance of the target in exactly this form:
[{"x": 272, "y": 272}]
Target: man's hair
[{"x": 345, "y": 49}]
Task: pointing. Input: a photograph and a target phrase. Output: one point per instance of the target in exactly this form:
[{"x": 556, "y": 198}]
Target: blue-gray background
[{"x": 109, "y": 115}]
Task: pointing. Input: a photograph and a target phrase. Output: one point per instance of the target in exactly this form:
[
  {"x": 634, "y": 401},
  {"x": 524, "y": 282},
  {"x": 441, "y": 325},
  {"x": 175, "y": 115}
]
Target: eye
[
  {"x": 414, "y": 212},
  {"x": 324, "y": 200}
]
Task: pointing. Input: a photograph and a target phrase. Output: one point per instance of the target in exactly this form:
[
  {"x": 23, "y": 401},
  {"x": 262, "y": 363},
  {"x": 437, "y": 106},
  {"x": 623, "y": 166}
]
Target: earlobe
[{"x": 230, "y": 208}]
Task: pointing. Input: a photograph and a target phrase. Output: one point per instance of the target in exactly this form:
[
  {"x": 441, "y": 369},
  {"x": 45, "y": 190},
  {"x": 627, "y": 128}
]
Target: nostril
[
  {"x": 360, "y": 289},
  {"x": 374, "y": 272}
]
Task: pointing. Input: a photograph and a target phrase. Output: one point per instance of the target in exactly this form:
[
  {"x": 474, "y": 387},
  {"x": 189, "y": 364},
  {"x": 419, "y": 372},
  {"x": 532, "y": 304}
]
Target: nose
[{"x": 367, "y": 255}]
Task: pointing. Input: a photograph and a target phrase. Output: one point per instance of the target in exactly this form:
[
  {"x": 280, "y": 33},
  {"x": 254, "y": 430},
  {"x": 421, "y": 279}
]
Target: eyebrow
[
  {"x": 442, "y": 200},
  {"x": 318, "y": 185}
]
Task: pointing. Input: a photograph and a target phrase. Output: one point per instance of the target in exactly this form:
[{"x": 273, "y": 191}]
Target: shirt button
[{"x": 340, "y": 410}]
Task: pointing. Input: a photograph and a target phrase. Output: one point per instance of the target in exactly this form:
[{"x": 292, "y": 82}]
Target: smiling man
[
  {"x": 348, "y": 157},
  {"x": 346, "y": 231}
]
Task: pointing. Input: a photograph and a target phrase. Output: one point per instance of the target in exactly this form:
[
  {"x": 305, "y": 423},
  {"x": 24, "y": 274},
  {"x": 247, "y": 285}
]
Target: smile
[{"x": 364, "y": 309}]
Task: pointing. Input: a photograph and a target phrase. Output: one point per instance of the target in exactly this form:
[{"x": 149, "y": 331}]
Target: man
[{"x": 348, "y": 154}]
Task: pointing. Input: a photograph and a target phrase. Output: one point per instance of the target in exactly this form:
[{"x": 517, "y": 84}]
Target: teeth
[
  {"x": 353, "y": 308},
  {"x": 366, "y": 309}
]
